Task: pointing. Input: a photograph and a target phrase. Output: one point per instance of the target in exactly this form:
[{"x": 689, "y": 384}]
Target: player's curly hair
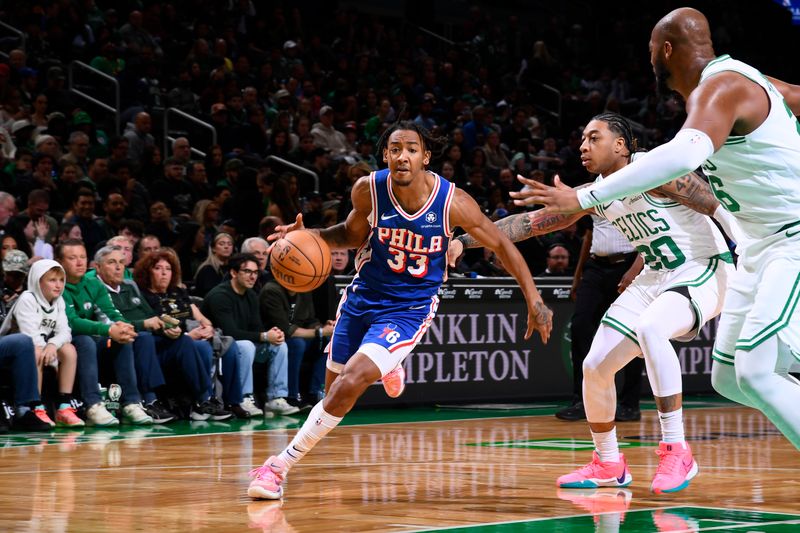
[
  {"x": 429, "y": 142},
  {"x": 622, "y": 127}
]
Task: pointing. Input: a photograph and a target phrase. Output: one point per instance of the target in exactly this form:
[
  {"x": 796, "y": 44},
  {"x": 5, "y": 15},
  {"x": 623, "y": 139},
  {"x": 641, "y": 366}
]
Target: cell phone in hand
[{"x": 169, "y": 321}]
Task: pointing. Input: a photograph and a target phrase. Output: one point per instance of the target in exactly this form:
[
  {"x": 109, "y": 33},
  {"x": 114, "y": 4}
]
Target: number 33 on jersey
[{"x": 412, "y": 246}]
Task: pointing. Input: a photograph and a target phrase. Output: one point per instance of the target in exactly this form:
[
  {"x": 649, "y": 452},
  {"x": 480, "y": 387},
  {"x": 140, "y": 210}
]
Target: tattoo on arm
[
  {"x": 336, "y": 236},
  {"x": 523, "y": 226},
  {"x": 544, "y": 315},
  {"x": 690, "y": 190}
]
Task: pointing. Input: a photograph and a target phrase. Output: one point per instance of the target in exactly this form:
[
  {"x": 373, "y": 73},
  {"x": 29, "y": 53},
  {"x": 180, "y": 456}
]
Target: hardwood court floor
[{"x": 469, "y": 470}]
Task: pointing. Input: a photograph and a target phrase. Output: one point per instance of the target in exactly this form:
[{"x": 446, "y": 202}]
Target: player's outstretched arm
[
  {"x": 713, "y": 108},
  {"x": 517, "y": 227},
  {"x": 466, "y": 214}
]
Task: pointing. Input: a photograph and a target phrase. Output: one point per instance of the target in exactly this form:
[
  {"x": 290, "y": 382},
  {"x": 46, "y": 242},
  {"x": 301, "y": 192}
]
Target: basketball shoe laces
[
  {"x": 668, "y": 462},
  {"x": 267, "y": 472},
  {"x": 593, "y": 468}
]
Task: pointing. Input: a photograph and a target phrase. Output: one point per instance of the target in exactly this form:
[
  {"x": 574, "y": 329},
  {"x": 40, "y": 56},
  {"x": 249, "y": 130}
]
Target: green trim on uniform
[
  {"x": 619, "y": 326},
  {"x": 737, "y": 140},
  {"x": 698, "y": 314},
  {"x": 707, "y": 274},
  {"x": 722, "y": 357},
  {"x": 776, "y": 325},
  {"x": 787, "y": 226},
  {"x": 658, "y": 202},
  {"x": 727, "y": 257}
]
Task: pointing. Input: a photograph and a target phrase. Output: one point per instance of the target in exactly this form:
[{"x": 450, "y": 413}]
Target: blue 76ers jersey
[{"x": 405, "y": 255}]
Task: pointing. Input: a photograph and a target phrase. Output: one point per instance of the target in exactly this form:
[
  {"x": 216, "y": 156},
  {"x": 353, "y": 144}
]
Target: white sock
[
  {"x": 672, "y": 425},
  {"x": 607, "y": 447},
  {"x": 317, "y": 425}
]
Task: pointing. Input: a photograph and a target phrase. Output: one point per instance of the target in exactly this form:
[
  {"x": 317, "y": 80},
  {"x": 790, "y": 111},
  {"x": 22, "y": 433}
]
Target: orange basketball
[{"x": 301, "y": 261}]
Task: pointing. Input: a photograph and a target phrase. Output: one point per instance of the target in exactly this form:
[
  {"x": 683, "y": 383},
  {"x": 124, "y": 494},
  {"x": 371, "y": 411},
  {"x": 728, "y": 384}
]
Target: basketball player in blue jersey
[
  {"x": 741, "y": 128},
  {"x": 401, "y": 223}
]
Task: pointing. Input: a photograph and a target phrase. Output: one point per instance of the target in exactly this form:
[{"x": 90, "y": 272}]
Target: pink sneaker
[
  {"x": 394, "y": 383},
  {"x": 41, "y": 414},
  {"x": 598, "y": 474},
  {"x": 67, "y": 417},
  {"x": 676, "y": 467},
  {"x": 268, "y": 479}
]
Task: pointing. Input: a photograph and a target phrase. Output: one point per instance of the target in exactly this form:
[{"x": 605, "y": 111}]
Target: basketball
[{"x": 301, "y": 261}]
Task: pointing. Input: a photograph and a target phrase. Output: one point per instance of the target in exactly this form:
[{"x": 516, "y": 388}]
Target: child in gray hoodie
[{"x": 40, "y": 314}]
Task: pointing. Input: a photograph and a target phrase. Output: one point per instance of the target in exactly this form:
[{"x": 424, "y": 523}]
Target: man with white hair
[
  {"x": 259, "y": 248},
  {"x": 8, "y": 208}
]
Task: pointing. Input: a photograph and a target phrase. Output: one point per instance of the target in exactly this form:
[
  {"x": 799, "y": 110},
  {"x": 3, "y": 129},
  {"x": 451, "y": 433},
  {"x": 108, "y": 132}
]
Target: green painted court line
[
  {"x": 679, "y": 518},
  {"x": 558, "y": 444}
]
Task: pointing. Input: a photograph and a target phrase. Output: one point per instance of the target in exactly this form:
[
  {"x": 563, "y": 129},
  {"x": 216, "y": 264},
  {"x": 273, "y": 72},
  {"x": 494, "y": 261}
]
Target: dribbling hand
[{"x": 281, "y": 231}]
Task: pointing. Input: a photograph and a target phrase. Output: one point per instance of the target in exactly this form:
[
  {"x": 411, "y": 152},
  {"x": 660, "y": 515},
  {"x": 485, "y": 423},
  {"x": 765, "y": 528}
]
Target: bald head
[
  {"x": 680, "y": 47},
  {"x": 684, "y": 27}
]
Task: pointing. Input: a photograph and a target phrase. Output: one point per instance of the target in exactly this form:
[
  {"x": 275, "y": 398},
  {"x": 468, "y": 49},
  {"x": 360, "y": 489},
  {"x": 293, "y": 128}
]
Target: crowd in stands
[{"x": 162, "y": 256}]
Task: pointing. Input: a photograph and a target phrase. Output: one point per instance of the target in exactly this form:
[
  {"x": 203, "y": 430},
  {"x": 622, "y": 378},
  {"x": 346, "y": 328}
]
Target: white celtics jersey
[
  {"x": 666, "y": 233},
  {"x": 757, "y": 176}
]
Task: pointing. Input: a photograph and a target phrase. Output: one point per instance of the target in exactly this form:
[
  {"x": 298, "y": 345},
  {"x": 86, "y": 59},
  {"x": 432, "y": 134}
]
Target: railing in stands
[
  {"x": 296, "y": 168},
  {"x": 168, "y": 139},
  {"x": 113, "y": 109},
  {"x": 17, "y": 33},
  {"x": 555, "y": 110}
]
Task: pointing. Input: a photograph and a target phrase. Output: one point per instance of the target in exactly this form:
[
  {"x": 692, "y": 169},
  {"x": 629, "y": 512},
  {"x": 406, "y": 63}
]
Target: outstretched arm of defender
[
  {"x": 518, "y": 227},
  {"x": 466, "y": 214}
]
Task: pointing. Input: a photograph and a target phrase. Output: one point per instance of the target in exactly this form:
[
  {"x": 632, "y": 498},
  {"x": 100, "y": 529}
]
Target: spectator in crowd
[
  {"x": 99, "y": 332},
  {"x": 210, "y": 273},
  {"x": 557, "y": 262},
  {"x": 78, "y": 152},
  {"x": 259, "y": 248},
  {"x": 173, "y": 189},
  {"x": 40, "y": 314},
  {"x": 182, "y": 150},
  {"x": 294, "y": 314},
  {"x": 114, "y": 207},
  {"x": 206, "y": 213},
  {"x": 147, "y": 244},
  {"x": 197, "y": 177},
  {"x": 158, "y": 275},
  {"x": 68, "y": 230},
  {"x": 233, "y": 306},
  {"x": 83, "y": 215},
  {"x": 340, "y": 262},
  {"x": 176, "y": 353},
  {"x": 138, "y": 136},
  {"x": 161, "y": 223},
  {"x": 15, "y": 272},
  {"x": 328, "y": 137},
  {"x": 18, "y": 358}
]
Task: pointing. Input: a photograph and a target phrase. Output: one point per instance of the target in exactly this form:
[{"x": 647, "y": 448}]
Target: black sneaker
[
  {"x": 572, "y": 413},
  {"x": 30, "y": 422},
  {"x": 209, "y": 410},
  {"x": 159, "y": 412},
  {"x": 238, "y": 412},
  {"x": 300, "y": 403},
  {"x": 627, "y": 414}
]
